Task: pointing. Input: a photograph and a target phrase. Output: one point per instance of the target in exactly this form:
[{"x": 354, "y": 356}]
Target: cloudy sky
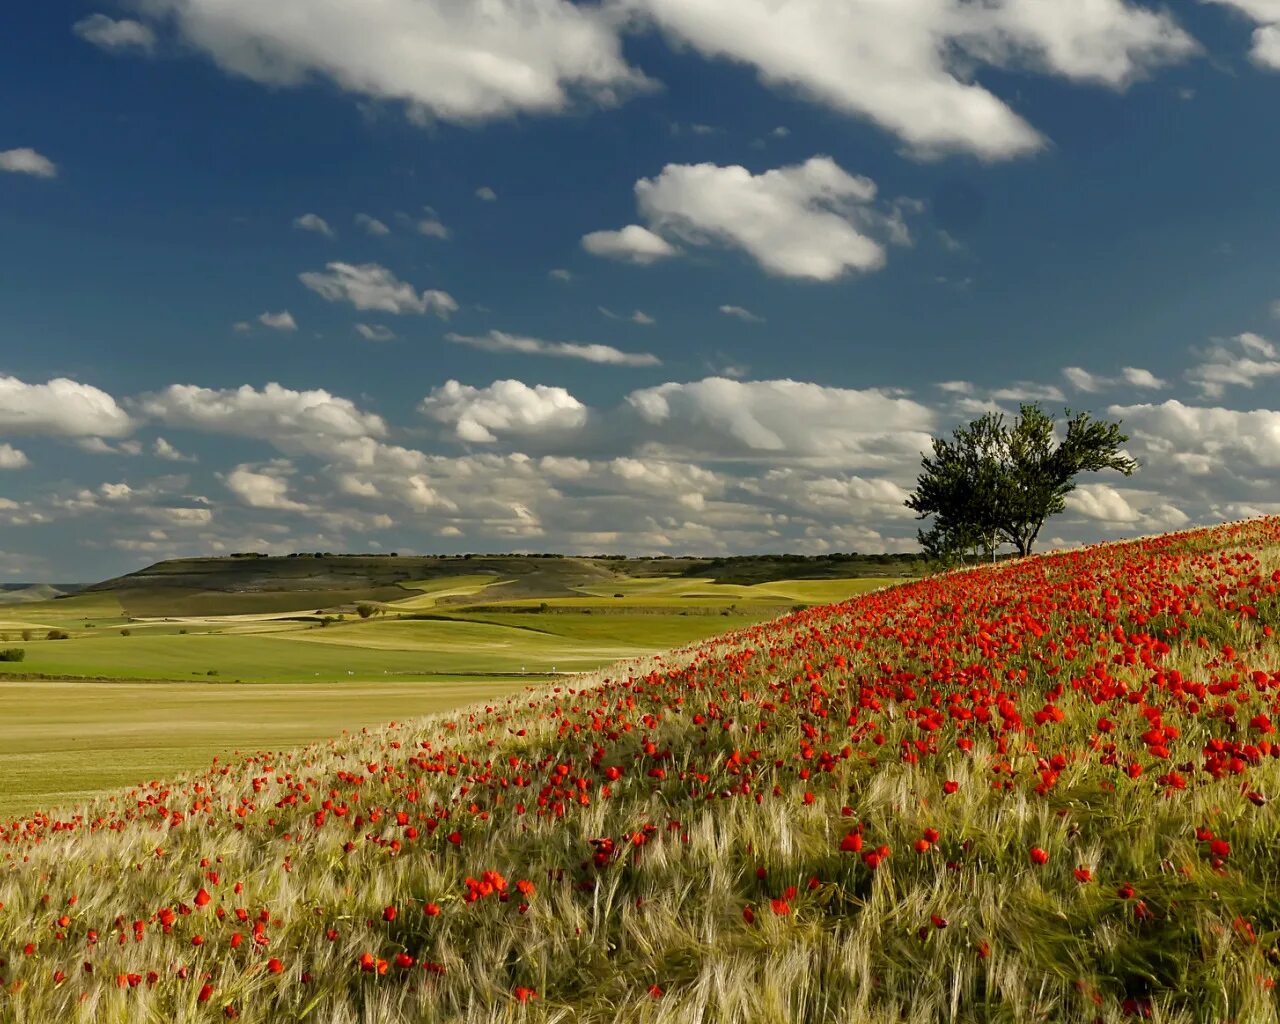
[{"x": 629, "y": 275}]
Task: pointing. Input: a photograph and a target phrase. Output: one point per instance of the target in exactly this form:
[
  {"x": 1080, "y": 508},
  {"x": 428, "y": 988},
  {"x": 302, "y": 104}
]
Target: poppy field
[{"x": 1038, "y": 792}]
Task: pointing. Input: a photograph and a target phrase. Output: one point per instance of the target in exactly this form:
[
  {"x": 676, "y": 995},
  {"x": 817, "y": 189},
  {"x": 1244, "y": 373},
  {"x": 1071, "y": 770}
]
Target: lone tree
[{"x": 993, "y": 482}]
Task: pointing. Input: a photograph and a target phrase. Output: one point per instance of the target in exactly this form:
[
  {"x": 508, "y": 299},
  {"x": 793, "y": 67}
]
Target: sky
[{"x": 634, "y": 276}]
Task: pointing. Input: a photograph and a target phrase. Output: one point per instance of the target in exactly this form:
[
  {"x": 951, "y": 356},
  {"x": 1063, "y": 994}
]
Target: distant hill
[
  {"x": 262, "y": 583},
  {"x": 25, "y": 593}
]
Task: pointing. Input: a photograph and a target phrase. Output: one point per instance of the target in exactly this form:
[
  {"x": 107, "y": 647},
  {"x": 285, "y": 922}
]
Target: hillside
[
  {"x": 1035, "y": 792},
  {"x": 259, "y": 583},
  {"x": 26, "y": 593}
]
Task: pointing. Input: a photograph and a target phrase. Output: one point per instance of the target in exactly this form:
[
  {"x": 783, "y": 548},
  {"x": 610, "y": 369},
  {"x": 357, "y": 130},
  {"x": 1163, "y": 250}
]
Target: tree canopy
[{"x": 994, "y": 482}]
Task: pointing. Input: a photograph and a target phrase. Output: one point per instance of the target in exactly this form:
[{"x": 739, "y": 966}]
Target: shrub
[
  {"x": 13, "y": 654},
  {"x": 126, "y": 632},
  {"x": 57, "y": 634},
  {"x": 364, "y": 610}
]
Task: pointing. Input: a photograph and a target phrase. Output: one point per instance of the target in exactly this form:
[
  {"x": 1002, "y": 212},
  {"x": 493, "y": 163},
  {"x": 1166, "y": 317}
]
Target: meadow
[
  {"x": 1042, "y": 791},
  {"x": 244, "y": 679}
]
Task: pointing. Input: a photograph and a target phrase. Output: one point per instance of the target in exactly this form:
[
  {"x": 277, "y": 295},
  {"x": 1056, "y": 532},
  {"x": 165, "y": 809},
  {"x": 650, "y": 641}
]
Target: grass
[{"x": 64, "y": 742}]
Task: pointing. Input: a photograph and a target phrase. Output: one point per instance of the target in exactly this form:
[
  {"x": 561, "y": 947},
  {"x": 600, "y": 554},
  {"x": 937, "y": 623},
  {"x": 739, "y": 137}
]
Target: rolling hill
[{"x": 1042, "y": 791}]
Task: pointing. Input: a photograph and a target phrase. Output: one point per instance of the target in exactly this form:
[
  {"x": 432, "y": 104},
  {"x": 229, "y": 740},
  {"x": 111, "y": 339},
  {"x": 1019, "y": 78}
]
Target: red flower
[
  {"x": 523, "y": 994},
  {"x": 1039, "y": 856},
  {"x": 780, "y": 907}
]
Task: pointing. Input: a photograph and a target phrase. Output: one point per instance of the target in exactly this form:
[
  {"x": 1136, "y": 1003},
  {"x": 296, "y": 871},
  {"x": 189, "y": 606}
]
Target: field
[
  {"x": 1038, "y": 792},
  {"x": 215, "y": 681},
  {"x": 61, "y": 742}
]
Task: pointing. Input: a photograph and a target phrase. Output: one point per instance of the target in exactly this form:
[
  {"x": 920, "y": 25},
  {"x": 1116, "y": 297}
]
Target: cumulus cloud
[
  {"x": 1240, "y": 362},
  {"x": 60, "y": 408},
  {"x": 501, "y": 341},
  {"x": 370, "y": 286},
  {"x": 432, "y": 228},
  {"x": 504, "y": 407},
  {"x": 454, "y": 61},
  {"x": 1082, "y": 380},
  {"x": 282, "y": 321},
  {"x": 909, "y": 74},
  {"x": 485, "y": 194},
  {"x": 1266, "y": 37},
  {"x": 1102, "y": 502},
  {"x": 740, "y": 313},
  {"x": 375, "y": 332},
  {"x": 1140, "y": 378},
  {"x": 371, "y": 225},
  {"x": 12, "y": 458},
  {"x": 811, "y": 220},
  {"x": 303, "y": 420},
  {"x": 313, "y": 222},
  {"x": 784, "y": 419},
  {"x": 267, "y": 487},
  {"x": 115, "y": 35},
  {"x": 162, "y": 449},
  {"x": 27, "y": 161},
  {"x": 632, "y": 244},
  {"x": 1207, "y": 438}
]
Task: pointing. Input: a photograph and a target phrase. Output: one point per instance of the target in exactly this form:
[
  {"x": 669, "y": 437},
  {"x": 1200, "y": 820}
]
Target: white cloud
[
  {"x": 632, "y": 244},
  {"x": 740, "y": 313},
  {"x": 1027, "y": 391},
  {"x": 313, "y": 222},
  {"x": 116, "y": 492},
  {"x": 115, "y": 34},
  {"x": 904, "y": 64},
  {"x": 504, "y": 407},
  {"x": 810, "y": 220},
  {"x": 302, "y": 420},
  {"x": 560, "y": 274},
  {"x": 181, "y": 516},
  {"x": 785, "y": 419},
  {"x": 162, "y": 449},
  {"x": 371, "y": 225},
  {"x": 1240, "y": 361},
  {"x": 266, "y": 489},
  {"x": 1083, "y": 380},
  {"x": 486, "y": 194},
  {"x": 62, "y": 408},
  {"x": 27, "y": 161},
  {"x": 375, "y": 332},
  {"x": 501, "y": 341},
  {"x": 1266, "y": 38},
  {"x": 1140, "y": 378},
  {"x": 1102, "y": 502},
  {"x": 1201, "y": 440},
  {"x": 444, "y": 59},
  {"x": 370, "y": 286},
  {"x": 282, "y": 321},
  {"x": 639, "y": 316},
  {"x": 432, "y": 228},
  {"x": 12, "y": 458}
]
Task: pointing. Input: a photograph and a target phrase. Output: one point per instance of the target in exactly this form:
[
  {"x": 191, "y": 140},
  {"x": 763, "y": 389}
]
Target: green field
[
  {"x": 267, "y": 672},
  {"x": 61, "y": 742}
]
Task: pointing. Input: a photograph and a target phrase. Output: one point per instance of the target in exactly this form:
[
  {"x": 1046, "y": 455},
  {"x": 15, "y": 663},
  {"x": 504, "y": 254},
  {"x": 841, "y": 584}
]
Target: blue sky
[{"x": 646, "y": 275}]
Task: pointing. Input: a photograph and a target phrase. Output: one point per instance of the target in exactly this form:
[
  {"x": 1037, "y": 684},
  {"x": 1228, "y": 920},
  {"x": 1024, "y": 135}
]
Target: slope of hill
[
  {"x": 1038, "y": 792},
  {"x": 252, "y": 583},
  {"x": 26, "y": 593}
]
